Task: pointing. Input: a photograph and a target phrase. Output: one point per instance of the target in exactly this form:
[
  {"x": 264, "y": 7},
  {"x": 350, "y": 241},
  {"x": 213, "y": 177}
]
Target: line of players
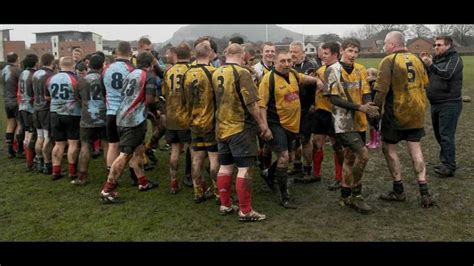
[{"x": 214, "y": 107}]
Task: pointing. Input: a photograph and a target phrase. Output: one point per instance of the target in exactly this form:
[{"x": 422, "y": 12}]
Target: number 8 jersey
[
  {"x": 113, "y": 77},
  {"x": 62, "y": 89}
]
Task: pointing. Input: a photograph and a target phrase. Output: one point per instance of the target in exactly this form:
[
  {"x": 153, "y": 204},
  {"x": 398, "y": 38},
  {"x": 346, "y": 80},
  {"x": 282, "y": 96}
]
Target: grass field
[{"x": 34, "y": 208}]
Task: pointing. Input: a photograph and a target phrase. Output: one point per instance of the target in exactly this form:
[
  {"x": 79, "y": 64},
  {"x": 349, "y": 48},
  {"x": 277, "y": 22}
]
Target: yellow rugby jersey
[
  {"x": 234, "y": 90},
  {"x": 283, "y": 101},
  {"x": 321, "y": 101},
  {"x": 199, "y": 98},
  {"x": 356, "y": 85},
  {"x": 177, "y": 115},
  {"x": 403, "y": 77}
]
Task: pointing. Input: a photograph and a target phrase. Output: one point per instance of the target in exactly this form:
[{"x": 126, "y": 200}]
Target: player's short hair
[
  {"x": 145, "y": 60},
  {"x": 334, "y": 47},
  {"x": 282, "y": 51},
  {"x": 96, "y": 62},
  {"x": 447, "y": 40},
  {"x": 47, "y": 59},
  {"x": 297, "y": 44},
  {"x": 172, "y": 49},
  {"x": 81, "y": 66},
  {"x": 144, "y": 41},
  {"x": 209, "y": 39},
  {"x": 202, "y": 50},
  {"x": 79, "y": 50},
  {"x": 12, "y": 57},
  {"x": 30, "y": 60},
  {"x": 66, "y": 62},
  {"x": 124, "y": 48},
  {"x": 100, "y": 53},
  {"x": 237, "y": 39},
  {"x": 235, "y": 49},
  {"x": 249, "y": 48},
  {"x": 350, "y": 42},
  {"x": 267, "y": 44},
  {"x": 183, "y": 51}
]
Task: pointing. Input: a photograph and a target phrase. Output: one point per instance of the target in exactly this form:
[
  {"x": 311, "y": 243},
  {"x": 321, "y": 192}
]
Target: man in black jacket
[{"x": 444, "y": 93}]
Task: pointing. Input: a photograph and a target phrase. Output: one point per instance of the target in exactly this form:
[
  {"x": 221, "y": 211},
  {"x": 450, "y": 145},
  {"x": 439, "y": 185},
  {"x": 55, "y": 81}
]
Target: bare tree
[
  {"x": 444, "y": 29},
  {"x": 462, "y": 33},
  {"x": 329, "y": 37},
  {"x": 418, "y": 31},
  {"x": 368, "y": 31},
  {"x": 351, "y": 34},
  {"x": 391, "y": 27}
]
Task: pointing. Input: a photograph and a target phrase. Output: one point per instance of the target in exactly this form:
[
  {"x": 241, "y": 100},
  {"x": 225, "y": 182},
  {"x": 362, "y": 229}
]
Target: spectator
[{"x": 444, "y": 94}]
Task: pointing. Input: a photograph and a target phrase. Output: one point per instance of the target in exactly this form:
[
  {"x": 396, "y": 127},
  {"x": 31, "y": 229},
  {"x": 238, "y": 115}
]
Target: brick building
[
  {"x": 7, "y": 46},
  {"x": 418, "y": 45},
  {"x": 61, "y": 43}
]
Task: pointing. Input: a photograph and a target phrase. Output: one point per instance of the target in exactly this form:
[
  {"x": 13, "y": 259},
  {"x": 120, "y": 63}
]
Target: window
[
  {"x": 55, "y": 45},
  {"x": 311, "y": 50}
]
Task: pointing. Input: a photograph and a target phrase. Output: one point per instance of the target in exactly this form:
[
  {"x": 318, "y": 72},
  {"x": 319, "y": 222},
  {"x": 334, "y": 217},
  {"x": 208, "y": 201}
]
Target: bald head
[
  {"x": 235, "y": 49},
  {"x": 66, "y": 63},
  {"x": 397, "y": 38},
  {"x": 234, "y": 53},
  {"x": 394, "y": 41}
]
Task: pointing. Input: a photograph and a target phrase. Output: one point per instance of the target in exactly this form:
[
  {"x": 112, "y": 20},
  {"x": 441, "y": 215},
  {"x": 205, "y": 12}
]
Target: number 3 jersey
[
  {"x": 132, "y": 111},
  {"x": 91, "y": 94},
  {"x": 62, "y": 90},
  {"x": 113, "y": 77}
]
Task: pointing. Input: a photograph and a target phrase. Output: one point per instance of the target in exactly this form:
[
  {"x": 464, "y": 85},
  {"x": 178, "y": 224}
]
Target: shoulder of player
[
  {"x": 334, "y": 68},
  {"x": 359, "y": 66},
  {"x": 242, "y": 70}
]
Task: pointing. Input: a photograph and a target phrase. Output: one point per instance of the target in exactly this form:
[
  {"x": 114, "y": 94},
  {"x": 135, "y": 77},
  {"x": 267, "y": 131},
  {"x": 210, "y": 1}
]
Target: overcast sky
[{"x": 156, "y": 32}]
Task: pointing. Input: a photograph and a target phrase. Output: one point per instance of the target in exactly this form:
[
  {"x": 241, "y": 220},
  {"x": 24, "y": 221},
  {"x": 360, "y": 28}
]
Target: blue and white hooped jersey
[
  {"x": 132, "y": 111},
  {"x": 25, "y": 91},
  {"x": 62, "y": 89},
  {"x": 114, "y": 76}
]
